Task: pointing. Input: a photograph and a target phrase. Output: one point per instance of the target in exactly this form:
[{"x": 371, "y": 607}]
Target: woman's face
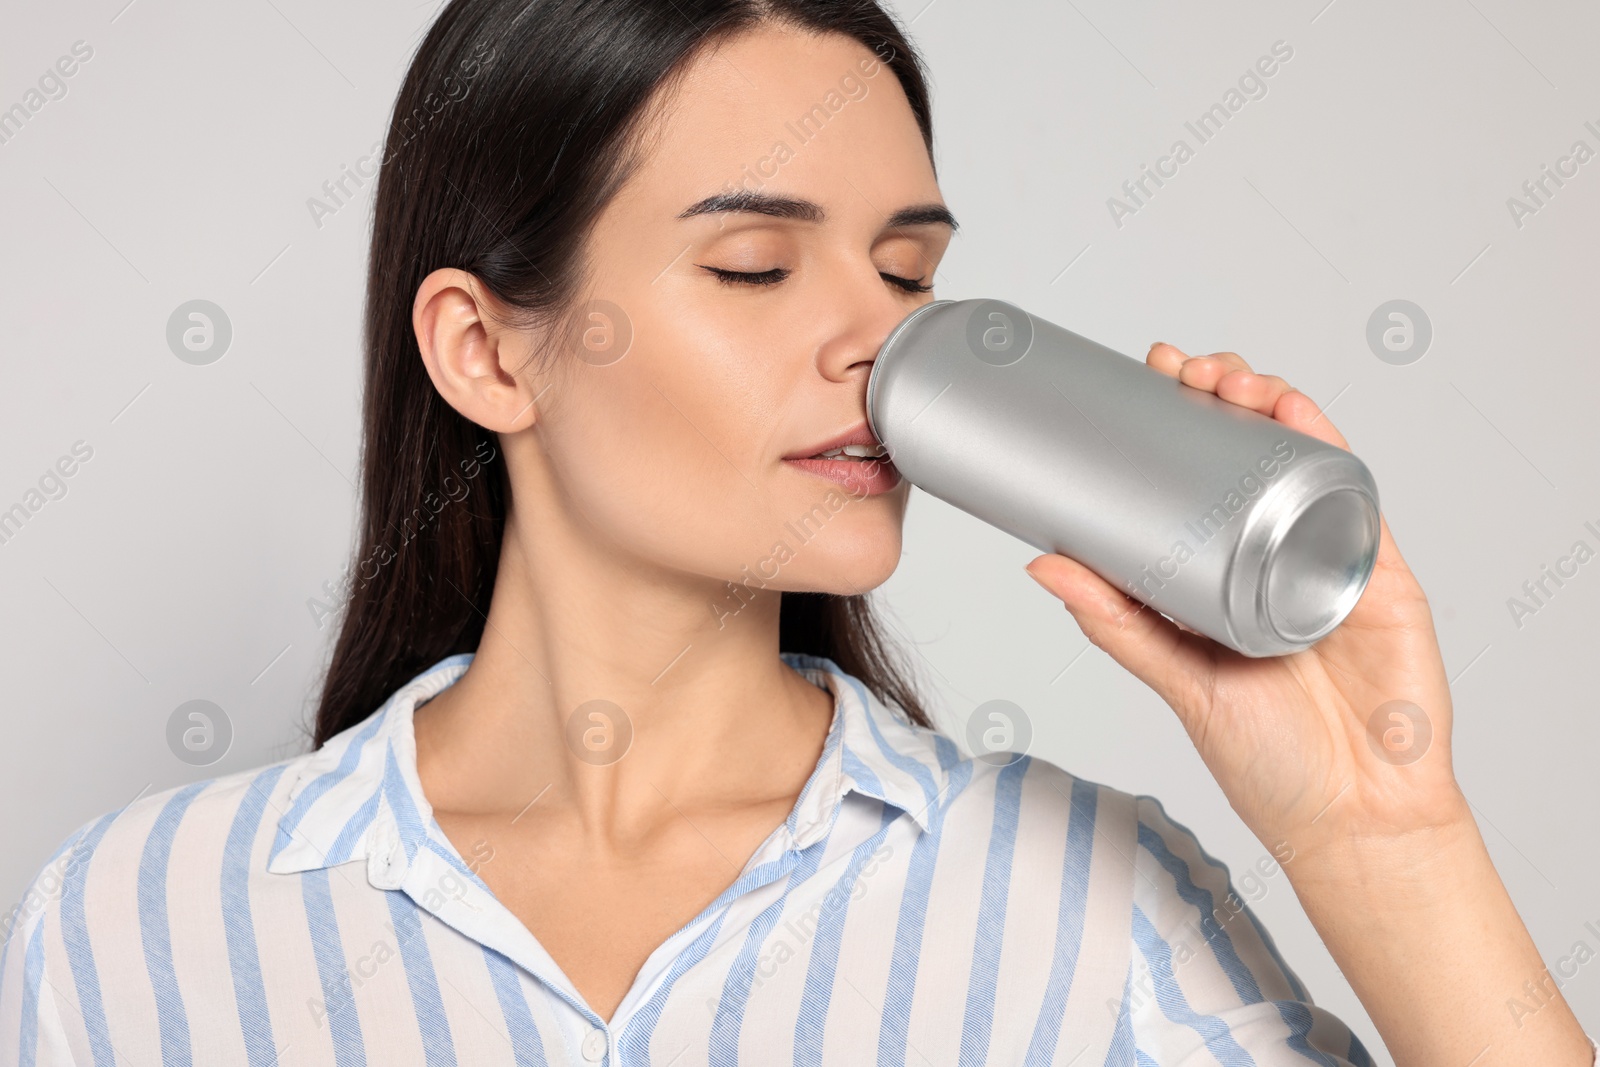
[{"x": 664, "y": 433}]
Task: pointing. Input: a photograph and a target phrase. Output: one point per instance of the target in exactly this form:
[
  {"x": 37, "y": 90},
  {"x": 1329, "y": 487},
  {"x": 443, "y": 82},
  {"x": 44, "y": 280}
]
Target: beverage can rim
[{"x": 877, "y": 362}]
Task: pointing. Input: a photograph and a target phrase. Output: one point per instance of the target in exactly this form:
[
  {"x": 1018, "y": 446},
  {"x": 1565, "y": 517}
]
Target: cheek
[
  {"x": 670, "y": 459},
  {"x": 671, "y": 454}
]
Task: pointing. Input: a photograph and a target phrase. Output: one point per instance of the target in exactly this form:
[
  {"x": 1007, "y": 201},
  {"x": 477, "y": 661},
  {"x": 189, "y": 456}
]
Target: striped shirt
[{"x": 916, "y": 907}]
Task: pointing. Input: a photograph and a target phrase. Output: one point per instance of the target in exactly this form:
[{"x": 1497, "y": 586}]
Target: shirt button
[{"x": 594, "y": 1046}]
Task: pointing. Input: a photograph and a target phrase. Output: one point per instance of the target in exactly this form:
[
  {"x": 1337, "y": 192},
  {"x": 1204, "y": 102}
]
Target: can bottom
[
  {"x": 1304, "y": 557},
  {"x": 1319, "y": 566}
]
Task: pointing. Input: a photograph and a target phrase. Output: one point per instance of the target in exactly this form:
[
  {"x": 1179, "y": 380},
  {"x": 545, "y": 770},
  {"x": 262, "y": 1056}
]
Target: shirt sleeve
[
  {"x": 1206, "y": 983},
  {"x": 32, "y": 1032}
]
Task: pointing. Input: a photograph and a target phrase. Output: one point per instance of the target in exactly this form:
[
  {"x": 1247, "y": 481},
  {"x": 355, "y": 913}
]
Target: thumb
[{"x": 1169, "y": 659}]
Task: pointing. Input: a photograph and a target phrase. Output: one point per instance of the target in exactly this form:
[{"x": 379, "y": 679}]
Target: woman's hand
[
  {"x": 1288, "y": 737},
  {"x": 1388, "y": 861}
]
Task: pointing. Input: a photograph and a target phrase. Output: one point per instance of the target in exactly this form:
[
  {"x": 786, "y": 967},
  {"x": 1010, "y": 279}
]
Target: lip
[
  {"x": 866, "y": 477},
  {"x": 859, "y": 434}
]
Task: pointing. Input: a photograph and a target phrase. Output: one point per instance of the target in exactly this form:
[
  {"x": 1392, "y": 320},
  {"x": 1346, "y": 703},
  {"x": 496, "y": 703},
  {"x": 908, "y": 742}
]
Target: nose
[{"x": 869, "y": 312}]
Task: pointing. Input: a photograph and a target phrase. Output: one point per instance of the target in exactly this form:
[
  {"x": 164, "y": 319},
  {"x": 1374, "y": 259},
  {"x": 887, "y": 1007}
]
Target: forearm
[{"x": 1431, "y": 943}]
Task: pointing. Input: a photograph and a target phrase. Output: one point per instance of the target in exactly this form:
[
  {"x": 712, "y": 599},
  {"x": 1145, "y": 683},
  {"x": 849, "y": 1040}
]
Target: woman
[{"x": 631, "y": 264}]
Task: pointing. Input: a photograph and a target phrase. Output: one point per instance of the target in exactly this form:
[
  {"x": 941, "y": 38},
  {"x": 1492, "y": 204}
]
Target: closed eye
[
  {"x": 734, "y": 277},
  {"x": 910, "y": 285},
  {"x": 778, "y": 274}
]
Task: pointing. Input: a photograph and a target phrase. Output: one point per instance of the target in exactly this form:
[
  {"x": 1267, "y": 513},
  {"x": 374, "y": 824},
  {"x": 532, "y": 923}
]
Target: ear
[{"x": 471, "y": 355}]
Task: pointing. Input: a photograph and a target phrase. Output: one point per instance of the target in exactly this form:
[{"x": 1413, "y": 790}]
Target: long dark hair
[{"x": 516, "y": 123}]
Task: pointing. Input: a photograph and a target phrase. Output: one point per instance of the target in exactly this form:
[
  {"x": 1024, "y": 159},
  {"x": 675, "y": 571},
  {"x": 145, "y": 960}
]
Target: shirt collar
[
  {"x": 872, "y": 750},
  {"x": 358, "y": 797}
]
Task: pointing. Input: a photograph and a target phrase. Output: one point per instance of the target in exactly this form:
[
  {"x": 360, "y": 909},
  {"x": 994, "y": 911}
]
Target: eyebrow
[{"x": 786, "y": 207}]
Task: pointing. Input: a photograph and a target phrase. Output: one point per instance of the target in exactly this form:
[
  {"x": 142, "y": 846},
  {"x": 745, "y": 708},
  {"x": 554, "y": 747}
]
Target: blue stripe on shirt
[
  {"x": 527, "y": 1044},
  {"x": 238, "y": 924},
  {"x": 633, "y": 1046},
  {"x": 171, "y": 1018},
  {"x": 349, "y": 759},
  {"x": 982, "y": 980},
  {"x": 1174, "y": 1005},
  {"x": 904, "y": 965},
  {"x": 1076, "y": 862},
  {"x": 80, "y": 951},
  {"x": 13, "y": 921},
  {"x": 1122, "y": 1050},
  {"x": 900, "y": 760},
  {"x": 1294, "y": 1014},
  {"x": 437, "y": 1043},
  {"x": 726, "y": 1024},
  {"x": 407, "y": 819},
  {"x": 339, "y": 1010},
  {"x": 822, "y": 969},
  {"x": 351, "y": 832},
  {"x": 32, "y": 978}
]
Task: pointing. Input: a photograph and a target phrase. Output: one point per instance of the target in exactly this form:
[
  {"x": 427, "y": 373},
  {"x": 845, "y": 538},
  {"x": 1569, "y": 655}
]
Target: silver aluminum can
[{"x": 1225, "y": 520}]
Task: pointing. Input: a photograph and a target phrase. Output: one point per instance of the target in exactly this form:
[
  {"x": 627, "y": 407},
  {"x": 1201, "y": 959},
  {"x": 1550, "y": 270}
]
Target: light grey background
[{"x": 219, "y": 499}]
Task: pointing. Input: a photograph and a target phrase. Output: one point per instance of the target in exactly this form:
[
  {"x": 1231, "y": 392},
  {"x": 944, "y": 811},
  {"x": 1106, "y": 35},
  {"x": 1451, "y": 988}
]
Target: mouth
[
  {"x": 864, "y": 475},
  {"x": 853, "y": 458},
  {"x": 853, "y": 452}
]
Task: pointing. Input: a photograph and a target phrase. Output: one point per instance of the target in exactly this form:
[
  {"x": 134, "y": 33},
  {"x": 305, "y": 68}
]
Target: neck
[{"x": 618, "y": 692}]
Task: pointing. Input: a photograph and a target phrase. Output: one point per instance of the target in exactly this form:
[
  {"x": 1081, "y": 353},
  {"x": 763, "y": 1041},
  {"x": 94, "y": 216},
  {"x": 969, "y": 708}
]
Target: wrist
[
  {"x": 1376, "y": 858},
  {"x": 1422, "y": 927}
]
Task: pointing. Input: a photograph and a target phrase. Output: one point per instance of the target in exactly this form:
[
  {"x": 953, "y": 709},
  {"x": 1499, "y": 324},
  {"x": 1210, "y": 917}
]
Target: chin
[
  {"x": 858, "y": 567},
  {"x": 850, "y": 551}
]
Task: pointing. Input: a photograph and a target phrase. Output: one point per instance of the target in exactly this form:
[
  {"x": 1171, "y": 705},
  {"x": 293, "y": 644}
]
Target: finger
[
  {"x": 1258, "y": 392},
  {"x": 1232, "y": 359},
  {"x": 1165, "y": 358},
  {"x": 1204, "y": 372},
  {"x": 1289, "y": 405},
  {"x": 1177, "y": 664},
  {"x": 1298, "y": 411}
]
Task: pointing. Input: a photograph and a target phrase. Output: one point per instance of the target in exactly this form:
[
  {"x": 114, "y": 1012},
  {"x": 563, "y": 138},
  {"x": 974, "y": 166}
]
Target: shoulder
[
  {"x": 1016, "y": 786},
  {"x": 188, "y": 829},
  {"x": 1197, "y": 971},
  {"x": 1049, "y": 816},
  {"x": 1055, "y": 800},
  {"x": 1054, "y": 825}
]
